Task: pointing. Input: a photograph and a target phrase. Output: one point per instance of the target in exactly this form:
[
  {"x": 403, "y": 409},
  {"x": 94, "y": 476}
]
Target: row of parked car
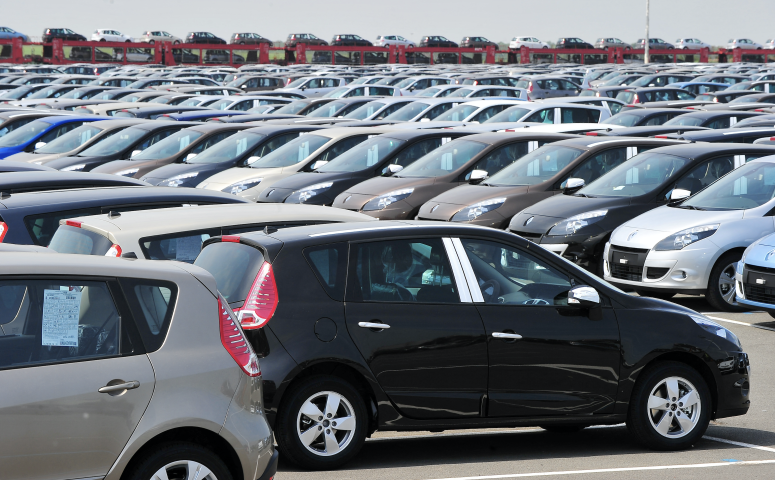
[{"x": 502, "y": 200}]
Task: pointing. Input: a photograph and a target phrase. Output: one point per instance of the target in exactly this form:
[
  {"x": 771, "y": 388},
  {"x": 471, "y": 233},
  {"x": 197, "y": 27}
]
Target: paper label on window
[
  {"x": 188, "y": 248},
  {"x": 61, "y": 313}
]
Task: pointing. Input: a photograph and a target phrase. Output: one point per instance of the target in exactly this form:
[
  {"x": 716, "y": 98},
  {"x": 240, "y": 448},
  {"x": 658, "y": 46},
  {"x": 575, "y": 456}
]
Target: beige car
[
  {"x": 178, "y": 233},
  {"x": 304, "y": 154},
  {"x": 109, "y": 109},
  {"x": 124, "y": 370},
  {"x": 153, "y": 36}
]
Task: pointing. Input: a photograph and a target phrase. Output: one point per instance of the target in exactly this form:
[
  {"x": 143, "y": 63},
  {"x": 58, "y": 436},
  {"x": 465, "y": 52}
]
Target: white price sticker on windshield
[{"x": 61, "y": 313}]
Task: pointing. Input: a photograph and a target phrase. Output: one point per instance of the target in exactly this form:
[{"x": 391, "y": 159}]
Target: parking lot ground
[{"x": 742, "y": 447}]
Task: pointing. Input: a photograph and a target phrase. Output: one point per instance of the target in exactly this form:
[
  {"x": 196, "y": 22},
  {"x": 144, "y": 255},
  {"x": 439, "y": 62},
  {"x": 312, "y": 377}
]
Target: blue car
[
  {"x": 39, "y": 132},
  {"x": 8, "y": 32},
  {"x": 198, "y": 116},
  {"x": 698, "y": 88}
]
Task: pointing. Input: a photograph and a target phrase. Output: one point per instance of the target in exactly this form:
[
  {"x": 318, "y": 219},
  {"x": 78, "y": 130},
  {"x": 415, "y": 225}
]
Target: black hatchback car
[
  {"x": 578, "y": 226},
  {"x": 426, "y": 326},
  {"x": 203, "y": 37},
  {"x": 350, "y": 40},
  {"x": 64, "y": 33},
  {"x": 573, "y": 42}
]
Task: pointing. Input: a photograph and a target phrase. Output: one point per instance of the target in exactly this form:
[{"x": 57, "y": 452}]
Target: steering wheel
[
  {"x": 490, "y": 291},
  {"x": 536, "y": 301}
]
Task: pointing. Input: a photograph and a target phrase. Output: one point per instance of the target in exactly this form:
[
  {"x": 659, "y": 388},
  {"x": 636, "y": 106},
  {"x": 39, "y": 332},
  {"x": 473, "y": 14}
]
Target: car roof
[
  {"x": 698, "y": 136},
  {"x": 695, "y": 150},
  {"x": 45, "y": 180},
  {"x": 57, "y": 119},
  {"x": 342, "y": 132},
  {"x": 180, "y": 219}
]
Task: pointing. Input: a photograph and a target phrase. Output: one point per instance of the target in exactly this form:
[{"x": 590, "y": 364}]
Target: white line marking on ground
[
  {"x": 613, "y": 470},
  {"x": 740, "y": 444},
  {"x": 741, "y": 323}
]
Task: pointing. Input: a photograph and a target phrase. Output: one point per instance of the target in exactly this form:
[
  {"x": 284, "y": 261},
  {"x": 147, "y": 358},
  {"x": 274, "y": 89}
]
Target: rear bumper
[{"x": 271, "y": 469}]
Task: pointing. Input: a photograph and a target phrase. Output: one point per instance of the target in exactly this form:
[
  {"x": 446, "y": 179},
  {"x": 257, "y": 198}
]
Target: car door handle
[
  {"x": 373, "y": 325},
  {"x": 510, "y": 336},
  {"x": 119, "y": 387}
]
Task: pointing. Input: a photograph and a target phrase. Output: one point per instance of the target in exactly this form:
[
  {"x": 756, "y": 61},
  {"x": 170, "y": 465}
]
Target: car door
[
  {"x": 546, "y": 358},
  {"x": 411, "y": 317},
  {"x": 64, "y": 340}
]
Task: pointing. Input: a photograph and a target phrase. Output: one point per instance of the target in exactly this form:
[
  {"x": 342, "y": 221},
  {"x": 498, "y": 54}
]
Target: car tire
[
  {"x": 659, "y": 295},
  {"x": 242, "y": 43},
  {"x": 103, "y": 40},
  {"x": 721, "y": 284},
  {"x": 563, "y": 428},
  {"x": 176, "y": 42},
  {"x": 151, "y": 42},
  {"x": 128, "y": 41},
  {"x": 175, "y": 460},
  {"x": 545, "y": 47},
  {"x": 670, "y": 426},
  {"x": 314, "y": 395}
]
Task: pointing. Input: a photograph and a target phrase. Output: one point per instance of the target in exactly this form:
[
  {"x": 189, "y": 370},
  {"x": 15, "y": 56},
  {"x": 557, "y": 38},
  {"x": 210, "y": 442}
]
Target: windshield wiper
[{"x": 690, "y": 207}]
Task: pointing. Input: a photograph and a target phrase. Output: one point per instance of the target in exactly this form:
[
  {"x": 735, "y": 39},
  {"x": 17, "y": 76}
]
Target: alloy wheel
[
  {"x": 325, "y": 423},
  {"x": 184, "y": 470},
  {"x": 674, "y": 407},
  {"x": 726, "y": 284}
]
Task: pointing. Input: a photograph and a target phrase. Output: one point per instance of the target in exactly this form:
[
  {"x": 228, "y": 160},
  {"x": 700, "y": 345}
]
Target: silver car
[
  {"x": 387, "y": 40},
  {"x": 611, "y": 42},
  {"x": 153, "y": 36},
  {"x": 743, "y": 43},
  {"x": 690, "y": 43},
  {"x": 118, "y": 369}
]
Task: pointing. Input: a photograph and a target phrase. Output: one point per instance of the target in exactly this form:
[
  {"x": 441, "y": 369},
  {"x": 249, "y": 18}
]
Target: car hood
[
  {"x": 647, "y": 229},
  {"x": 62, "y": 162},
  {"x": 768, "y": 241},
  {"x": 238, "y": 174},
  {"x": 305, "y": 179},
  {"x": 465, "y": 195},
  {"x": 559, "y": 207},
  {"x": 8, "y": 151},
  {"x": 203, "y": 170},
  {"x": 116, "y": 166},
  {"x": 37, "y": 158}
]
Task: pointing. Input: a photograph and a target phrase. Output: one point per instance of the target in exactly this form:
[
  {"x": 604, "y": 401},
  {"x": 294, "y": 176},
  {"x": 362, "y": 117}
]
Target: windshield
[
  {"x": 292, "y": 152},
  {"x": 463, "y": 92},
  {"x": 640, "y": 175},
  {"x": 405, "y": 82},
  {"x": 328, "y": 110},
  {"x": 296, "y": 82},
  {"x": 623, "y": 119},
  {"x": 78, "y": 93},
  {"x": 429, "y": 92},
  {"x": 338, "y": 93},
  {"x": 511, "y": 114},
  {"x": 114, "y": 143},
  {"x": 169, "y": 146},
  {"x": 445, "y": 159},
  {"x": 292, "y": 108},
  {"x": 365, "y": 110},
  {"x": 408, "y": 112},
  {"x": 70, "y": 140},
  {"x": 24, "y": 134},
  {"x": 230, "y": 148},
  {"x": 537, "y": 166},
  {"x": 457, "y": 114},
  {"x": 17, "y": 93},
  {"x": 363, "y": 156},
  {"x": 749, "y": 186},
  {"x": 685, "y": 121}
]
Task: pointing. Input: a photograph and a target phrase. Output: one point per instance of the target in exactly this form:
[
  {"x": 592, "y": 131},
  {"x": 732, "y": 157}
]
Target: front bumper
[
  {"x": 734, "y": 386},
  {"x": 740, "y": 294}
]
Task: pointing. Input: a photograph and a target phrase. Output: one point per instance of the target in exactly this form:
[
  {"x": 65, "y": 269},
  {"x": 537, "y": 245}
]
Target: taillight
[
  {"x": 660, "y": 136},
  {"x": 715, "y": 99},
  {"x": 261, "y": 302},
  {"x": 476, "y": 82},
  {"x": 3, "y": 230},
  {"x": 114, "y": 251},
  {"x": 530, "y": 87},
  {"x": 593, "y": 134},
  {"x": 635, "y": 99},
  {"x": 236, "y": 344}
]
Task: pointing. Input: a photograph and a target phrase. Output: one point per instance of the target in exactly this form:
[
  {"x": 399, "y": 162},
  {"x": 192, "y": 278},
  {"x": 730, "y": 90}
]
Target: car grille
[
  {"x": 627, "y": 272},
  {"x": 630, "y": 250},
  {"x": 653, "y": 273},
  {"x": 756, "y": 292},
  {"x": 533, "y": 237}
]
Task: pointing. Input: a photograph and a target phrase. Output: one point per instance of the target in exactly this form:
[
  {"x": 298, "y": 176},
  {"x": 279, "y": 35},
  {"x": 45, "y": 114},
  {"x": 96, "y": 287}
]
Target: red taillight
[
  {"x": 114, "y": 251},
  {"x": 3, "y": 230},
  {"x": 715, "y": 99},
  {"x": 476, "y": 82},
  {"x": 236, "y": 344},
  {"x": 593, "y": 134},
  {"x": 73, "y": 223},
  {"x": 530, "y": 87},
  {"x": 660, "y": 136},
  {"x": 635, "y": 99},
  {"x": 262, "y": 300},
  {"x": 230, "y": 238},
  {"x": 597, "y": 94}
]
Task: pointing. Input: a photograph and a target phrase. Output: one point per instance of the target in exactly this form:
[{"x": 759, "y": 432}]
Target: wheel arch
[
  {"x": 737, "y": 249},
  {"x": 199, "y": 436},
  {"x": 693, "y": 361}
]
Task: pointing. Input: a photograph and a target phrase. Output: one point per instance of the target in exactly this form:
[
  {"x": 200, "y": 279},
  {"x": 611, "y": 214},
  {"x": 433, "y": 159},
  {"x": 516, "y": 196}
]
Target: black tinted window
[
  {"x": 42, "y": 227},
  {"x": 234, "y": 267},
  {"x": 183, "y": 247},
  {"x": 152, "y": 303},
  {"x": 329, "y": 262}
]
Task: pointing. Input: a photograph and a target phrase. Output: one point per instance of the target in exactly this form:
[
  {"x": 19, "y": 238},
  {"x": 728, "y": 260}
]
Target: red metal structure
[{"x": 59, "y": 52}]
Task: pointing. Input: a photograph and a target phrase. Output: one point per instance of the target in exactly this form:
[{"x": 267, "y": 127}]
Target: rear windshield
[
  {"x": 42, "y": 227},
  {"x": 234, "y": 266},
  {"x": 183, "y": 246},
  {"x": 79, "y": 241},
  {"x": 169, "y": 146}
]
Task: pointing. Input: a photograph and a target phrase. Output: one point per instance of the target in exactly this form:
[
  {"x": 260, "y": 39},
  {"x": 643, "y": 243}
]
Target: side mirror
[
  {"x": 39, "y": 144},
  {"x": 318, "y": 164},
  {"x": 252, "y": 160},
  {"x": 425, "y": 119},
  {"x": 477, "y": 176},
  {"x": 190, "y": 156},
  {"x": 391, "y": 170},
  {"x": 572, "y": 185},
  {"x": 135, "y": 152},
  {"x": 679, "y": 194},
  {"x": 583, "y": 296}
]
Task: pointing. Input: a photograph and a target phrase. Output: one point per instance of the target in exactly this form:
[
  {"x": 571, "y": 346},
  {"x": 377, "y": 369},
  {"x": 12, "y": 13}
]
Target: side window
[
  {"x": 657, "y": 119},
  {"x": 488, "y": 113},
  {"x": 243, "y": 106},
  {"x": 42, "y": 227},
  {"x": 270, "y": 146},
  {"x": 706, "y": 173},
  {"x": 566, "y": 85},
  {"x": 55, "y": 321},
  {"x": 602, "y": 163},
  {"x": 390, "y": 109},
  {"x": 509, "y": 276},
  {"x": 183, "y": 247},
  {"x": 419, "y": 149},
  {"x": 500, "y": 158},
  {"x": 614, "y": 107},
  {"x": 152, "y": 303},
  {"x": 380, "y": 91},
  {"x": 722, "y": 122},
  {"x": 59, "y": 131},
  {"x": 438, "y": 110},
  {"x": 155, "y": 138},
  {"x": 356, "y": 92},
  {"x": 329, "y": 262},
  {"x": 209, "y": 142},
  {"x": 579, "y": 115},
  {"x": 542, "y": 116},
  {"x": 342, "y": 146},
  {"x": 402, "y": 271}
]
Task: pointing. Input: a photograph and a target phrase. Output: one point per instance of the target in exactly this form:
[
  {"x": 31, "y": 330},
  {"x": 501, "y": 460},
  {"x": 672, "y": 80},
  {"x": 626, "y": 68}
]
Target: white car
[
  {"x": 106, "y": 35},
  {"x": 313, "y": 86},
  {"x": 743, "y": 43},
  {"x": 529, "y": 42},
  {"x": 694, "y": 247},
  {"x": 690, "y": 44},
  {"x": 153, "y": 36},
  {"x": 387, "y": 40},
  {"x": 769, "y": 44},
  {"x": 475, "y": 91},
  {"x": 754, "y": 279}
]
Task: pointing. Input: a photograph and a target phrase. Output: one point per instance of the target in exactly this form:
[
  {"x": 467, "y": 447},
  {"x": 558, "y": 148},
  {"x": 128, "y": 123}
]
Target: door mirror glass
[
  {"x": 679, "y": 194},
  {"x": 391, "y": 170},
  {"x": 39, "y": 145},
  {"x": 572, "y": 185},
  {"x": 252, "y": 159},
  {"x": 584, "y": 296},
  {"x": 318, "y": 164},
  {"x": 477, "y": 176},
  {"x": 135, "y": 152},
  {"x": 190, "y": 156}
]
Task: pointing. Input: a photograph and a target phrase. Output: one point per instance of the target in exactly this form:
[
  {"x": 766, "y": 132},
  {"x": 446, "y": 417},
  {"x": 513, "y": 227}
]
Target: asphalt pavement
[{"x": 741, "y": 447}]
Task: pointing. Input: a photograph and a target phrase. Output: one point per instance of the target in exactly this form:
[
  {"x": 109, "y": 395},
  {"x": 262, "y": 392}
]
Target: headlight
[
  {"x": 472, "y": 212},
  {"x": 240, "y": 187},
  {"x": 128, "y": 173},
  {"x": 74, "y": 168},
  {"x": 383, "y": 201},
  {"x": 710, "y": 326},
  {"x": 571, "y": 225},
  {"x": 679, "y": 240},
  {"x": 178, "y": 180},
  {"x": 308, "y": 192}
]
